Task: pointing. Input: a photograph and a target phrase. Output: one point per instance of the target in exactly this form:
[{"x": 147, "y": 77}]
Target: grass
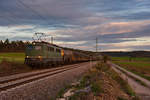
[
  {"x": 13, "y": 63},
  {"x": 92, "y": 79},
  {"x": 62, "y": 91},
  {"x": 77, "y": 95},
  {"x": 12, "y": 57},
  {"x": 98, "y": 78},
  {"x": 123, "y": 84},
  {"x": 139, "y": 66},
  {"x": 137, "y": 80},
  {"x": 120, "y": 98},
  {"x": 10, "y": 68},
  {"x": 127, "y": 58},
  {"x": 96, "y": 87}
]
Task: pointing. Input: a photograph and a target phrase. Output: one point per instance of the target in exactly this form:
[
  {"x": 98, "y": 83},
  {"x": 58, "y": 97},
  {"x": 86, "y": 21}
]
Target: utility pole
[
  {"x": 96, "y": 44},
  {"x": 52, "y": 39}
]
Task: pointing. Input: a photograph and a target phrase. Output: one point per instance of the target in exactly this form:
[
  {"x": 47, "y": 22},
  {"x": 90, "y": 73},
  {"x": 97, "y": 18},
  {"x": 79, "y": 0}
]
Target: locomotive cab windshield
[{"x": 33, "y": 51}]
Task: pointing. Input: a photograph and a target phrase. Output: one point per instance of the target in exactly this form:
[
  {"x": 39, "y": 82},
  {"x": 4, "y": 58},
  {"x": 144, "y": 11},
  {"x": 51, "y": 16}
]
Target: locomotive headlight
[
  {"x": 40, "y": 57},
  {"x": 27, "y": 56},
  {"x": 62, "y": 53}
]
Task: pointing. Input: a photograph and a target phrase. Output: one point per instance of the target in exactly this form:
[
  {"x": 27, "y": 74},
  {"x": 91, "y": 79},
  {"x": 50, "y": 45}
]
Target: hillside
[{"x": 132, "y": 53}]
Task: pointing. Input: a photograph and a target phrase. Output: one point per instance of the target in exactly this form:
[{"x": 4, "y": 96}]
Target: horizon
[{"x": 80, "y": 49}]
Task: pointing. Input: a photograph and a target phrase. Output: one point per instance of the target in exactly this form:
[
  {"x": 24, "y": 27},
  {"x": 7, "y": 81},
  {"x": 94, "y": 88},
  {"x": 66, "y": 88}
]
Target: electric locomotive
[
  {"x": 42, "y": 54},
  {"x": 47, "y": 54}
]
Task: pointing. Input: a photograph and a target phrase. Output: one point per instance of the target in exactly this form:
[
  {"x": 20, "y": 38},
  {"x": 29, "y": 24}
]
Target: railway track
[{"x": 13, "y": 81}]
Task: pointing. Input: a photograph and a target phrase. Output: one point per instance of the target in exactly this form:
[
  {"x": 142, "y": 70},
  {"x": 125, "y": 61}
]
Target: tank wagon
[{"x": 46, "y": 54}]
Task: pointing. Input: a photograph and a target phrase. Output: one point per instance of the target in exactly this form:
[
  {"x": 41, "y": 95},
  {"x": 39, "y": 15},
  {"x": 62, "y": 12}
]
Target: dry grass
[
  {"x": 10, "y": 68},
  {"x": 105, "y": 85},
  {"x": 141, "y": 68}
]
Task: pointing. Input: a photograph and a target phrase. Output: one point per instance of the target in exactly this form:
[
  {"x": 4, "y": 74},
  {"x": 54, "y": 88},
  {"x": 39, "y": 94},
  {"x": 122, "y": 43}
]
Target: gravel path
[
  {"x": 141, "y": 91},
  {"x": 147, "y": 82},
  {"x": 46, "y": 88}
]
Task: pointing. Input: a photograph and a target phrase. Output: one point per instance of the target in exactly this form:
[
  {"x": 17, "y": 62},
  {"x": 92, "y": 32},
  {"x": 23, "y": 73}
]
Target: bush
[
  {"x": 96, "y": 87},
  {"x": 105, "y": 58}
]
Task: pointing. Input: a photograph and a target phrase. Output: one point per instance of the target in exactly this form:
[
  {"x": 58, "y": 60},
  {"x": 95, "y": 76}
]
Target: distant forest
[
  {"x": 131, "y": 54},
  {"x": 19, "y": 46},
  {"x": 12, "y": 46}
]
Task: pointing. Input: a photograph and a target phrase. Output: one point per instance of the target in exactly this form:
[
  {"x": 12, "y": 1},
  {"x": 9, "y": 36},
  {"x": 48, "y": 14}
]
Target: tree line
[{"x": 12, "y": 46}]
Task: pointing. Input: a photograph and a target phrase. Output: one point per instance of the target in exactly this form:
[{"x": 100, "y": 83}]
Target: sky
[{"x": 119, "y": 25}]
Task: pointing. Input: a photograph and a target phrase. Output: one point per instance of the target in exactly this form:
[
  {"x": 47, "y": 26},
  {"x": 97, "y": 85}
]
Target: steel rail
[{"x": 8, "y": 84}]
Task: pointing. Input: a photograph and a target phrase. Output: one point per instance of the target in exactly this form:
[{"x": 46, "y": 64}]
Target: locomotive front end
[{"x": 34, "y": 54}]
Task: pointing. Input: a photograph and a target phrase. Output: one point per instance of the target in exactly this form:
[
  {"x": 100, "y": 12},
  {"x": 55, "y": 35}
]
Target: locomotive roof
[
  {"x": 54, "y": 45},
  {"x": 46, "y": 43}
]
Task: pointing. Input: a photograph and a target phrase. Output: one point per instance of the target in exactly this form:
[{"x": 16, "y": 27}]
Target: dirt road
[{"x": 142, "y": 91}]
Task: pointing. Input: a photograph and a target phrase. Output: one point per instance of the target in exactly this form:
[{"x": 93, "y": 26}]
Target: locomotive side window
[
  {"x": 58, "y": 50},
  {"x": 30, "y": 47},
  {"x": 51, "y": 49},
  {"x": 37, "y": 47}
]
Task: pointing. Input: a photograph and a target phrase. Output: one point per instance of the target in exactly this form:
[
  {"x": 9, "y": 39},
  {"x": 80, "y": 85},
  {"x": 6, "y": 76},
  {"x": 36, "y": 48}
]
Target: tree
[
  {"x": 13, "y": 46},
  {"x": 1, "y": 45},
  {"x": 6, "y": 42},
  {"x": 105, "y": 58}
]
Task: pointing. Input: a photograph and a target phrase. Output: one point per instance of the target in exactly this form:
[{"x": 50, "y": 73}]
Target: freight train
[{"x": 47, "y": 54}]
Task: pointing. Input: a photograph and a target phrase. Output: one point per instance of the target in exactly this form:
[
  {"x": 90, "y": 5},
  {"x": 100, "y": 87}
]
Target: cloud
[{"x": 77, "y": 23}]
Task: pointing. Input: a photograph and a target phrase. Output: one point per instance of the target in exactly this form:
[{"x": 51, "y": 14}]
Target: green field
[
  {"x": 12, "y": 57},
  {"x": 128, "y": 58},
  {"x": 139, "y": 66}
]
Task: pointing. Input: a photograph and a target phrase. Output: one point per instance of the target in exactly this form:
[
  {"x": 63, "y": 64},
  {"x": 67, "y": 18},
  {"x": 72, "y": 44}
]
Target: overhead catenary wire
[
  {"x": 11, "y": 17},
  {"x": 8, "y": 19},
  {"x": 32, "y": 10},
  {"x": 39, "y": 36},
  {"x": 35, "y": 12}
]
